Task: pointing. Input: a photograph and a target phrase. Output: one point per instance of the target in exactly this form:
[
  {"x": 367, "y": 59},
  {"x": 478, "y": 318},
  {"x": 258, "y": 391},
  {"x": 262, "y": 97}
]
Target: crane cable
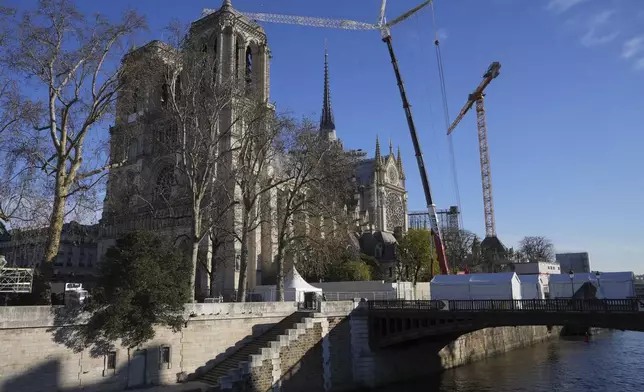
[{"x": 441, "y": 75}]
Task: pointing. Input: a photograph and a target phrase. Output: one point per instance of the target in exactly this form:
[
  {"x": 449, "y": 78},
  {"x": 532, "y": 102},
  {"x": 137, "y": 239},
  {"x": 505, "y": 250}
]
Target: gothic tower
[{"x": 150, "y": 176}]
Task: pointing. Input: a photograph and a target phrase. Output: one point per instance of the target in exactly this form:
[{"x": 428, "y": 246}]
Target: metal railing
[{"x": 525, "y": 305}]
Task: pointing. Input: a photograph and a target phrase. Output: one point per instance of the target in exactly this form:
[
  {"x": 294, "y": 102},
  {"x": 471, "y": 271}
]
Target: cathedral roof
[{"x": 365, "y": 170}]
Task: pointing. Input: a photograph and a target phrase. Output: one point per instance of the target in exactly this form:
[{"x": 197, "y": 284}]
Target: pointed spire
[
  {"x": 399, "y": 164},
  {"x": 327, "y": 122},
  {"x": 391, "y": 147},
  {"x": 378, "y": 156}
]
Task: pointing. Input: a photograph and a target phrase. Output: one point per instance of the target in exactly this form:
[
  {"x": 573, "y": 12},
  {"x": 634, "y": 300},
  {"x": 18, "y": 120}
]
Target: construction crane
[
  {"x": 384, "y": 28},
  {"x": 491, "y": 241}
]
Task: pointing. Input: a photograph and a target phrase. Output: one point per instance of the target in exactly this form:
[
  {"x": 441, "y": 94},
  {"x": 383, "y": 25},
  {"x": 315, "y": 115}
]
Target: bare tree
[
  {"x": 459, "y": 248},
  {"x": 318, "y": 186},
  {"x": 197, "y": 100},
  {"x": 70, "y": 58},
  {"x": 256, "y": 145},
  {"x": 536, "y": 248},
  {"x": 21, "y": 185}
]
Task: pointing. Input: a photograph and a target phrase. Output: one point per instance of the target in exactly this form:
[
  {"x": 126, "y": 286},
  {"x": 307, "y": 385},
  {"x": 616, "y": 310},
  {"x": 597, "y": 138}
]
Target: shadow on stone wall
[
  {"x": 40, "y": 378},
  {"x": 256, "y": 331},
  {"x": 306, "y": 374},
  {"x": 48, "y": 376}
]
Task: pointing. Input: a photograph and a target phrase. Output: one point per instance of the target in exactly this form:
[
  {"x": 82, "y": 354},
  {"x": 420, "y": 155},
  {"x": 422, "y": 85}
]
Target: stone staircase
[{"x": 235, "y": 360}]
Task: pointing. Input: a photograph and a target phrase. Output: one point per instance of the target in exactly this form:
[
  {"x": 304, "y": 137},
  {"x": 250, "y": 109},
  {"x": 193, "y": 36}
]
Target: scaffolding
[
  {"x": 16, "y": 280},
  {"x": 447, "y": 219}
]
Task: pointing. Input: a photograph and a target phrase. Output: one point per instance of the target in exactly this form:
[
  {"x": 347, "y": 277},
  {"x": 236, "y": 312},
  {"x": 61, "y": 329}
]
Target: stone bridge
[{"x": 396, "y": 322}]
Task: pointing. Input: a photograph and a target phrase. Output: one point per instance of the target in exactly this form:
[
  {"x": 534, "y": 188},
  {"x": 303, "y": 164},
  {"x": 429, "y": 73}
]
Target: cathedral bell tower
[{"x": 241, "y": 54}]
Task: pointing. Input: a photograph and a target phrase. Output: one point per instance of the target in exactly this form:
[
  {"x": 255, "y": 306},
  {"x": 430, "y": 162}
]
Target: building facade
[
  {"x": 538, "y": 268},
  {"x": 77, "y": 255},
  {"x": 575, "y": 262},
  {"x": 148, "y": 191},
  {"x": 145, "y": 192}
]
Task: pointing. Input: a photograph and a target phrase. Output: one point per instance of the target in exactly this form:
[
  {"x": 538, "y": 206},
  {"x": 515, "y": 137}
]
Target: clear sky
[{"x": 565, "y": 117}]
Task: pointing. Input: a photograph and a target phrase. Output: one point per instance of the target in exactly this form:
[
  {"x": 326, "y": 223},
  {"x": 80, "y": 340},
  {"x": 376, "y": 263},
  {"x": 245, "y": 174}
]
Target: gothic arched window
[
  {"x": 165, "y": 181},
  {"x": 132, "y": 150},
  {"x": 215, "y": 60},
  {"x": 135, "y": 100},
  {"x": 378, "y": 251},
  {"x": 165, "y": 95},
  {"x": 249, "y": 66}
]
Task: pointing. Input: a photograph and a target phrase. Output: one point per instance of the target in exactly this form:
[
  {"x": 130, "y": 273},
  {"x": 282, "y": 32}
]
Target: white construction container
[
  {"x": 503, "y": 285},
  {"x": 561, "y": 286},
  {"x": 450, "y": 287},
  {"x": 532, "y": 287},
  {"x": 617, "y": 285}
]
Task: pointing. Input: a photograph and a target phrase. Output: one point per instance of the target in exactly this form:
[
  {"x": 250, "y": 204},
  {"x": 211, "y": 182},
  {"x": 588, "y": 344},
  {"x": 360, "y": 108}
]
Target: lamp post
[
  {"x": 597, "y": 275},
  {"x": 572, "y": 283}
]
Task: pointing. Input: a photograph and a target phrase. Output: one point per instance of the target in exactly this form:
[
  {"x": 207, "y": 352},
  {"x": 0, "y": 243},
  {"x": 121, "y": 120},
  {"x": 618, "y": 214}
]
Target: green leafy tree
[
  {"x": 415, "y": 256},
  {"x": 144, "y": 282},
  {"x": 350, "y": 270}
]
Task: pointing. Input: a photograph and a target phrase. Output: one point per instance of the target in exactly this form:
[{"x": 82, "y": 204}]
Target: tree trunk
[
  {"x": 56, "y": 221},
  {"x": 279, "y": 286},
  {"x": 194, "y": 257},
  {"x": 243, "y": 260},
  {"x": 212, "y": 264},
  {"x": 193, "y": 274}
]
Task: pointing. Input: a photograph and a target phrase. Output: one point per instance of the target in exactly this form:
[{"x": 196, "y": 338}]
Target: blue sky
[{"x": 564, "y": 117}]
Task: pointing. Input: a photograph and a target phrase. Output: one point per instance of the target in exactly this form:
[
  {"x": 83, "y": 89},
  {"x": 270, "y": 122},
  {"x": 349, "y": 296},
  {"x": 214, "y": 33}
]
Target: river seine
[{"x": 612, "y": 361}]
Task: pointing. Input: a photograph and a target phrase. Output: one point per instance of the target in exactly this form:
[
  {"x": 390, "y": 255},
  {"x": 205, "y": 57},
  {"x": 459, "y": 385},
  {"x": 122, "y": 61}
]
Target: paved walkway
[{"x": 193, "y": 386}]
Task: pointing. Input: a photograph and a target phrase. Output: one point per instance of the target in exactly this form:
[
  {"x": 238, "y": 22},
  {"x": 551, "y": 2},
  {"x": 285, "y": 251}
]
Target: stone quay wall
[
  {"x": 32, "y": 360},
  {"x": 328, "y": 351}
]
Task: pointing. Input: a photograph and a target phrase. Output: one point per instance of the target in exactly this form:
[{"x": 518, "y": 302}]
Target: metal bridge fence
[{"x": 522, "y": 305}]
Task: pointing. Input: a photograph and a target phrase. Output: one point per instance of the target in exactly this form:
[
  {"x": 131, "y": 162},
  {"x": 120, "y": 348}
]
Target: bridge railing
[{"x": 524, "y": 305}]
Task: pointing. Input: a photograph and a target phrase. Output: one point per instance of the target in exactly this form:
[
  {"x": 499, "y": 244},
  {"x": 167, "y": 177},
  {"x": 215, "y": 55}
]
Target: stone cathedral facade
[{"x": 150, "y": 178}]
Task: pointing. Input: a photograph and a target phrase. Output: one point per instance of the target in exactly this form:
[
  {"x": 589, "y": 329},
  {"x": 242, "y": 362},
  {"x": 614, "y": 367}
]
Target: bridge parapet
[
  {"x": 397, "y": 321},
  {"x": 521, "y": 305}
]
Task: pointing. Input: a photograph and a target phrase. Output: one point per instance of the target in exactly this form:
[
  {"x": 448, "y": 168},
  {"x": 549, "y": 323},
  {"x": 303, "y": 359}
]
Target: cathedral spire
[
  {"x": 378, "y": 156},
  {"x": 327, "y": 122},
  {"x": 400, "y": 165},
  {"x": 391, "y": 148}
]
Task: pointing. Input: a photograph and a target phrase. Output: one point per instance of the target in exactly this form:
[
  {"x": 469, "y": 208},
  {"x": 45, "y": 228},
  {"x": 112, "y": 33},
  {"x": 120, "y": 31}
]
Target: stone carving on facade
[
  {"x": 392, "y": 175},
  {"x": 395, "y": 211}
]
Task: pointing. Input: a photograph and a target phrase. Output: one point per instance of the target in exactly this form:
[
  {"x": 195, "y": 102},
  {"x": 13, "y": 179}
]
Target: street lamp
[
  {"x": 597, "y": 274},
  {"x": 572, "y": 284}
]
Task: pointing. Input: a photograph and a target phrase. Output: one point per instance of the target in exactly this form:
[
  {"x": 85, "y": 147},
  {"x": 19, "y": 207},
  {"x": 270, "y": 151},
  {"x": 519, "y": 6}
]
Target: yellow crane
[{"x": 491, "y": 241}]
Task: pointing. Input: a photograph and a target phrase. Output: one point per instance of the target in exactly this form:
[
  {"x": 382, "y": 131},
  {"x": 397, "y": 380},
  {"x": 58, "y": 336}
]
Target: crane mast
[
  {"x": 431, "y": 207},
  {"x": 478, "y": 98}
]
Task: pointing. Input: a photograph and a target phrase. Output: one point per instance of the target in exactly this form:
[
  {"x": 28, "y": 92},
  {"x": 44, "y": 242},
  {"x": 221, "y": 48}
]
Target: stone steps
[{"x": 233, "y": 363}]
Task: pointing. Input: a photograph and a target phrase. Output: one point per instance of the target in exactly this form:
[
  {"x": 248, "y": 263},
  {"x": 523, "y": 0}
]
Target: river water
[{"x": 611, "y": 361}]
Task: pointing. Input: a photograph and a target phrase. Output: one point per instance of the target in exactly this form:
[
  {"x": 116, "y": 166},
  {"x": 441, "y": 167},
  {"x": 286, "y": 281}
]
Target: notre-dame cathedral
[{"x": 150, "y": 174}]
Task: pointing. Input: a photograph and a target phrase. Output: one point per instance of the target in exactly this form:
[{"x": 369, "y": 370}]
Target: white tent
[
  {"x": 503, "y": 285},
  {"x": 562, "y": 287},
  {"x": 450, "y": 287},
  {"x": 295, "y": 287},
  {"x": 532, "y": 287},
  {"x": 617, "y": 285}
]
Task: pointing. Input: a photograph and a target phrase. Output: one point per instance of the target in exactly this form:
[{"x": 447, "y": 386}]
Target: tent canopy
[{"x": 294, "y": 281}]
